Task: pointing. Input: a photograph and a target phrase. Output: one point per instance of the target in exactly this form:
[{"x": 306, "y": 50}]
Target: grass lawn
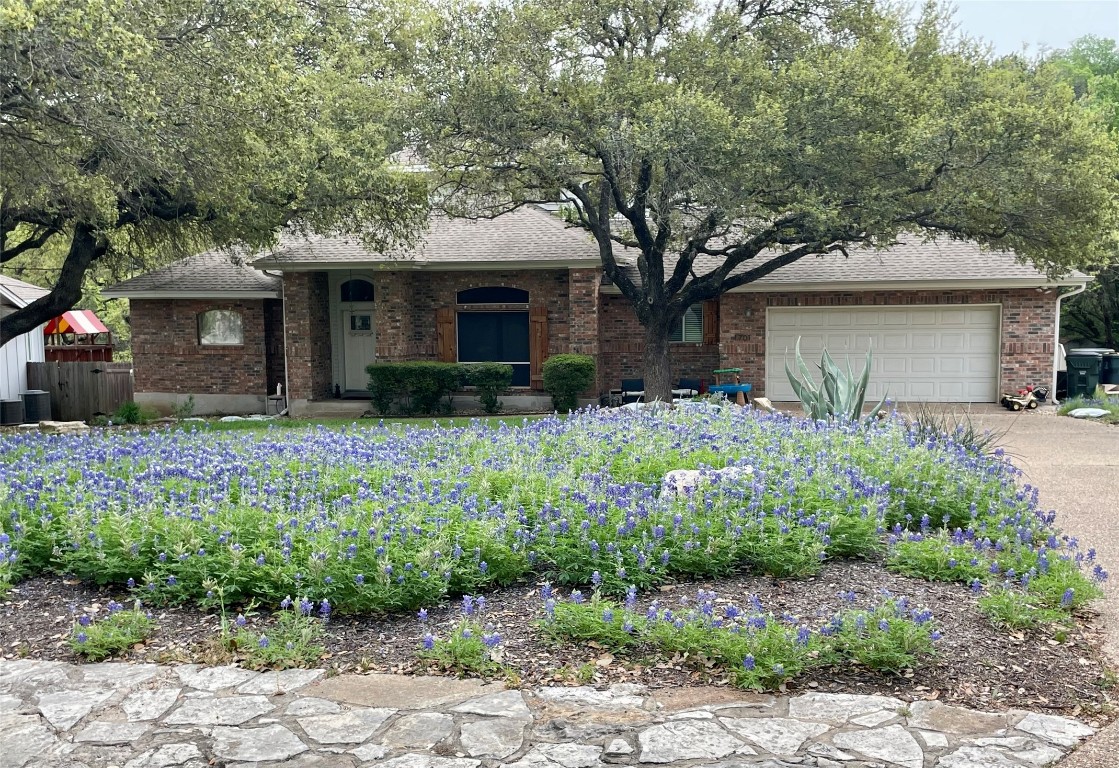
[{"x": 606, "y": 508}]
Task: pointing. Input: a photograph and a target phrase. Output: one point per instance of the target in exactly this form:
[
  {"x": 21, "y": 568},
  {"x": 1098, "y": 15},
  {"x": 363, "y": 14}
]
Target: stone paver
[{"x": 140, "y": 716}]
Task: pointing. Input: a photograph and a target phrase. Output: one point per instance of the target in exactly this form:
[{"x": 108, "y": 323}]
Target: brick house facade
[{"x": 292, "y": 311}]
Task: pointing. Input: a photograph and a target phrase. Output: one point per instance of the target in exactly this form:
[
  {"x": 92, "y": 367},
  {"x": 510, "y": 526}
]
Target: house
[
  {"x": 16, "y": 353},
  {"x": 947, "y": 321}
]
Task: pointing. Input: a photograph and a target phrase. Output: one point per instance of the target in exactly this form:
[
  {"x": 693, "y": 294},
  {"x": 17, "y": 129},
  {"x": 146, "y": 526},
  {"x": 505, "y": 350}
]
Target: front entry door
[{"x": 360, "y": 346}]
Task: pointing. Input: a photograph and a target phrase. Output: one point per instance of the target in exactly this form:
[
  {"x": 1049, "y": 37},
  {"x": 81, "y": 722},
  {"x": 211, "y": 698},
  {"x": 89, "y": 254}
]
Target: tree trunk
[
  {"x": 658, "y": 365},
  {"x": 85, "y": 248}
]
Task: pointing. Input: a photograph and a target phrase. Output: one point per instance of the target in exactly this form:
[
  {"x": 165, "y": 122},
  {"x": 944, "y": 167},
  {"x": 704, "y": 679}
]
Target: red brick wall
[
  {"x": 584, "y": 301},
  {"x": 308, "y": 335},
  {"x": 407, "y": 302},
  {"x": 1028, "y": 317},
  {"x": 621, "y": 343},
  {"x": 167, "y": 357}
]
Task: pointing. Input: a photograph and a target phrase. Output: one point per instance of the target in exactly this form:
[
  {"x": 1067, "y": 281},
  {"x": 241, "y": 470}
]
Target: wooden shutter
[
  {"x": 711, "y": 322},
  {"x": 537, "y": 345},
  {"x": 445, "y": 334}
]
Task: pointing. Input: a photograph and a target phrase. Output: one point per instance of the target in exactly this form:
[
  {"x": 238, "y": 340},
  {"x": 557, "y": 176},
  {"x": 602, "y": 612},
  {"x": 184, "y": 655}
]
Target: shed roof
[{"x": 20, "y": 293}]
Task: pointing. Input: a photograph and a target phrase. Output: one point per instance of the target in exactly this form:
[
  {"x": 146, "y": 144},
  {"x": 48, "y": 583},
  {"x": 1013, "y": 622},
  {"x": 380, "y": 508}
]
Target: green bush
[
  {"x": 491, "y": 380},
  {"x": 565, "y": 376},
  {"x": 425, "y": 386},
  {"x": 133, "y": 413}
]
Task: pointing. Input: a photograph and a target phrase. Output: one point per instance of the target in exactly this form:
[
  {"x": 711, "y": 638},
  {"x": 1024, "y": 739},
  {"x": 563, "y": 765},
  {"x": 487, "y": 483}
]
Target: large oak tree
[
  {"x": 135, "y": 131},
  {"x": 715, "y": 142}
]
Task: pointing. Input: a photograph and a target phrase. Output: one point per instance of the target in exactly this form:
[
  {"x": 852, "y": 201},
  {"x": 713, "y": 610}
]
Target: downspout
[
  {"x": 1057, "y": 336},
  {"x": 284, "y": 323}
]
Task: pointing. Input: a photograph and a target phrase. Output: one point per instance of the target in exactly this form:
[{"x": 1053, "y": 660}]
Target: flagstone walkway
[{"x": 57, "y": 715}]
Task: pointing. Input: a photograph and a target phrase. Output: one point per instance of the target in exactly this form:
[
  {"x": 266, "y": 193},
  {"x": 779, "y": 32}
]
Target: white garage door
[{"x": 946, "y": 354}]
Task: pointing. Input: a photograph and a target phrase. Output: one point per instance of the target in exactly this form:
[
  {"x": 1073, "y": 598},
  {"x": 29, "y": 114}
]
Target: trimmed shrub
[
  {"x": 425, "y": 386},
  {"x": 491, "y": 380},
  {"x": 565, "y": 376}
]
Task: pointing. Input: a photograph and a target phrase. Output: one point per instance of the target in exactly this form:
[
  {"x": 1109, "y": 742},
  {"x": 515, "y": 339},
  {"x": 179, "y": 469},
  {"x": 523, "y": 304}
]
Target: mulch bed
[{"x": 976, "y": 665}]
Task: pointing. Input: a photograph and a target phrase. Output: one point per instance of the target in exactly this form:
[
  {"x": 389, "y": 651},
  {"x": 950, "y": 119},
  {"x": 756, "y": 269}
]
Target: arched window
[
  {"x": 218, "y": 327},
  {"x": 357, "y": 290},
  {"x": 496, "y": 294}
]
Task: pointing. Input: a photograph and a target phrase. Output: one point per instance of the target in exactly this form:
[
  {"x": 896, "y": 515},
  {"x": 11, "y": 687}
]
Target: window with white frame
[
  {"x": 689, "y": 328},
  {"x": 220, "y": 327}
]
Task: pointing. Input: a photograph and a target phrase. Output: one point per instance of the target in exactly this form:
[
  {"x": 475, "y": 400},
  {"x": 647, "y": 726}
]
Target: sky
[{"x": 1007, "y": 24}]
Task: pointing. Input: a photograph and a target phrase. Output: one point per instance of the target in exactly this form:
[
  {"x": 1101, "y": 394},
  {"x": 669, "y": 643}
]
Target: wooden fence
[{"x": 80, "y": 391}]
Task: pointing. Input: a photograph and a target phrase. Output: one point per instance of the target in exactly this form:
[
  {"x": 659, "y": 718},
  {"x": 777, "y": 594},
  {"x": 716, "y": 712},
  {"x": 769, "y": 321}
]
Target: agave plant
[{"x": 839, "y": 395}]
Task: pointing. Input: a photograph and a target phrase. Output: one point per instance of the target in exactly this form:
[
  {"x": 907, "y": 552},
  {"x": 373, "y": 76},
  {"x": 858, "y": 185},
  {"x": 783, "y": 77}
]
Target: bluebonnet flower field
[{"x": 593, "y": 512}]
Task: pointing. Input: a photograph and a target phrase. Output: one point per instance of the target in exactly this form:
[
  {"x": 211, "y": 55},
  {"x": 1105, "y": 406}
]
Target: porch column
[
  {"x": 393, "y": 317},
  {"x": 307, "y": 336},
  {"x": 583, "y": 302}
]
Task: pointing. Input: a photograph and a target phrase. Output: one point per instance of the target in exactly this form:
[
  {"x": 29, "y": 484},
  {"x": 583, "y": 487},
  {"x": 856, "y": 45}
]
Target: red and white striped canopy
[{"x": 75, "y": 321}]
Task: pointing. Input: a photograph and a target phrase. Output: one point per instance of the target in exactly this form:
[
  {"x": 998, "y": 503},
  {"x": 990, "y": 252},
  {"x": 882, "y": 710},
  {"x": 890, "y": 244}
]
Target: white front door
[
  {"x": 359, "y": 347},
  {"x": 947, "y": 353}
]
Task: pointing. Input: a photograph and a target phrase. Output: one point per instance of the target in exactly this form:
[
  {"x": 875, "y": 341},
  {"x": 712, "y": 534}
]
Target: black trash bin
[
  {"x": 1109, "y": 369},
  {"x": 1083, "y": 372}
]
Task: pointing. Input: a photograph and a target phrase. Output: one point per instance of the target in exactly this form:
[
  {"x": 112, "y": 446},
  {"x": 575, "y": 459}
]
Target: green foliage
[
  {"x": 185, "y": 409},
  {"x": 491, "y": 380},
  {"x": 1109, "y": 403},
  {"x": 758, "y": 650},
  {"x": 293, "y": 640},
  {"x": 105, "y": 164},
  {"x": 885, "y": 639},
  {"x": 935, "y": 423},
  {"x": 99, "y": 638},
  {"x": 565, "y": 377},
  {"x": 133, "y": 413},
  {"x": 469, "y": 649},
  {"x": 1017, "y": 610},
  {"x": 425, "y": 386},
  {"x": 839, "y": 394},
  {"x": 797, "y": 129}
]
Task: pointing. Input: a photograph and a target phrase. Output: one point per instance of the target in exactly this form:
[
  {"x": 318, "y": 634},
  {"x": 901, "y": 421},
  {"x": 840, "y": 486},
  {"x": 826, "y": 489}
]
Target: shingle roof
[
  {"x": 213, "y": 273},
  {"x": 21, "y": 291},
  {"x": 525, "y": 236},
  {"x": 910, "y": 261}
]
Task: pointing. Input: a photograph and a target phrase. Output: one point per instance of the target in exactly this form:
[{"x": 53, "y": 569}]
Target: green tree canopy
[
  {"x": 134, "y": 131},
  {"x": 1091, "y": 66},
  {"x": 701, "y": 137}
]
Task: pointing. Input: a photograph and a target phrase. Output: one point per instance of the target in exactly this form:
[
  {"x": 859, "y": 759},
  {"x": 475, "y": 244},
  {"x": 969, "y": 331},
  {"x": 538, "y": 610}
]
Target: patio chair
[
  {"x": 633, "y": 390},
  {"x": 687, "y": 388}
]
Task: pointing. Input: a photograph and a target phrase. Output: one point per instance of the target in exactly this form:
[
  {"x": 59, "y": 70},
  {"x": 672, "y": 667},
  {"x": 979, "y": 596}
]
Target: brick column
[
  {"x": 393, "y": 316},
  {"x": 583, "y": 302},
  {"x": 742, "y": 336},
  {"x": 307, "y": 338}
]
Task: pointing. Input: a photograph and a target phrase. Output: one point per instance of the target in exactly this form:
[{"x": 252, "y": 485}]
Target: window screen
[
  {"x": 495, "y": 337},
  {"x": 220, "y": 326},
  {"x": 497, "y": 294}
]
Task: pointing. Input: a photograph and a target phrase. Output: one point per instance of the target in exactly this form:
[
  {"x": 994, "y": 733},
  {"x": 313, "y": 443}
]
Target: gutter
[{"x": 1057, "y": 336}]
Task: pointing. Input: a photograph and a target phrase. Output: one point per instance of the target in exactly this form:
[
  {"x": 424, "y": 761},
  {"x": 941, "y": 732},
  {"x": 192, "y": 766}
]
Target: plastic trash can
[
  {"x": 1083, "y": 372},
  {"x": 1109, "y": 369}
]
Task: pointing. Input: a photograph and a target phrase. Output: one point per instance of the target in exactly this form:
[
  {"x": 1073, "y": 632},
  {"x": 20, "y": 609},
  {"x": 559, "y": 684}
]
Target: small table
[{"x": 738, "y": 389}]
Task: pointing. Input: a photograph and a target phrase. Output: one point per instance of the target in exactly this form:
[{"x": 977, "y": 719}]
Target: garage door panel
[{"x": 920, "y": 353}]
